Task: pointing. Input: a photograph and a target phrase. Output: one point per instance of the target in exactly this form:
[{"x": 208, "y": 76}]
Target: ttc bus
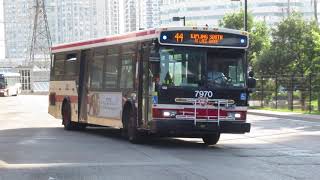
[
  {"x": 10, "y": 84},
  {"x": 175, "y": 81}
]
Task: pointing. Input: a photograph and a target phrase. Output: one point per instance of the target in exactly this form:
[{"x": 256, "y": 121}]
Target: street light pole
[
  {"x": 246, "y": 15},
  {"x": 245, "y": 23},
  {"x": 184, "y": 20}
]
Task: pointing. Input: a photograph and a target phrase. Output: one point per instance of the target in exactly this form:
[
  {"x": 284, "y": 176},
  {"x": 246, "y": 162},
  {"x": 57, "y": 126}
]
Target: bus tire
[
  {"x": 124, "y": 129},
  {"x": 66, "y": 117},
  {"x": 132, "y": 131},
  {"x": 81, "y": 126},
  {"x": 211, "y": 139},
  {"x": 125, "y": 118}
]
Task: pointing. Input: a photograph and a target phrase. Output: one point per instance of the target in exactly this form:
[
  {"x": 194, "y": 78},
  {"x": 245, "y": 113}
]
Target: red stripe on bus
[
  {"x": 73, "y": 99},
  {"x": 107, "y": 39}
]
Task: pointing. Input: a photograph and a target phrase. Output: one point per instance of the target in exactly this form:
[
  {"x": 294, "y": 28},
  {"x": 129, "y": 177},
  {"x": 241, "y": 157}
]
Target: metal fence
[{"x": 287, "y": 92}]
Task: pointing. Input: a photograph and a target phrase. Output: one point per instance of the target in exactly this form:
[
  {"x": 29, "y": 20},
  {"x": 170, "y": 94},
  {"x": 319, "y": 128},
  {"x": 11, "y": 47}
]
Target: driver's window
[
  {"x": 216, "y": 69},
  {"x": 236, "y": 72}
]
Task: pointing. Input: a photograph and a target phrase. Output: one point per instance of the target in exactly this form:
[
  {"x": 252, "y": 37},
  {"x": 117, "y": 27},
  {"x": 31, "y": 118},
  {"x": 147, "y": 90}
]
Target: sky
[
  {"x": 121, "y": 18},
  {"x": 2, "y": 44}
]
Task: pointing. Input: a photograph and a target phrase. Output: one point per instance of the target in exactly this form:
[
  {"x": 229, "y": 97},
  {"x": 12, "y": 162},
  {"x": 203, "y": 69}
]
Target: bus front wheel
[{"x": 211, "y": 139}]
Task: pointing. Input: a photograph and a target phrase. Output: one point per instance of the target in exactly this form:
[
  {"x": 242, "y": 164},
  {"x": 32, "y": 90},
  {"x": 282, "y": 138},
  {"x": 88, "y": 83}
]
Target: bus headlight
[
  {"x": 237, "y": 115},
  {"x": 169, "y": 113}
]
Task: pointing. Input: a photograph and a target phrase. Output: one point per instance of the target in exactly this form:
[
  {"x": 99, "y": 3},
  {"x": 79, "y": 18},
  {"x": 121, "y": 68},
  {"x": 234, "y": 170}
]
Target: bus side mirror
[{"x": 251, "y": 81}]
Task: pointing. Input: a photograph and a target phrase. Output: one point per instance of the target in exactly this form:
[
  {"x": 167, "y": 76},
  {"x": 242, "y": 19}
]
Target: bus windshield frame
[{"x": 199, "y": 67}]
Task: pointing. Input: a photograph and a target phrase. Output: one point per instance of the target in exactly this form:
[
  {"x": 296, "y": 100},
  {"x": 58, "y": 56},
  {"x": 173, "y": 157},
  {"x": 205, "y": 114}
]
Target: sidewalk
[{"x": 287, "y": 115}]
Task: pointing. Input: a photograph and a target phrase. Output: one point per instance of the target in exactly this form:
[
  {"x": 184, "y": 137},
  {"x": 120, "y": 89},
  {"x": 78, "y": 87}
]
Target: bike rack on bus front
[{"x": 207, "y": 103}]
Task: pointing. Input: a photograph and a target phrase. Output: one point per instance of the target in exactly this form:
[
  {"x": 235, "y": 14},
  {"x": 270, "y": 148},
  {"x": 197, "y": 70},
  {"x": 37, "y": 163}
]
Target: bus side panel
[{"x": 62, "y": 90}]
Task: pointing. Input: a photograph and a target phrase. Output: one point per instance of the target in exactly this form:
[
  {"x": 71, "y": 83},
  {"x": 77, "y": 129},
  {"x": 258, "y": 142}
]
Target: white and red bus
[
  {"x": 177, "y": 82},
  {"x": 10, "y": 84}
]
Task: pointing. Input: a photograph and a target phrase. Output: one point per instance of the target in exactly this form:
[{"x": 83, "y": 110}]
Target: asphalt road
[{"x": 33, "y": 145}]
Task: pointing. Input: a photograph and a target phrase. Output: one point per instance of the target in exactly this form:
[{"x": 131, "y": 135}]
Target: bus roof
[{"x": 131, "y": 37}]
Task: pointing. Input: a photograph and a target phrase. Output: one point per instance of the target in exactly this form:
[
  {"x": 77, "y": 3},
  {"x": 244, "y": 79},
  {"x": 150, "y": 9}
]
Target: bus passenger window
[
  {"x": 97, "y": 71},
  {"x": 126, "y": 80},
  {"x": 127, "y": 58},
  {"x": 111, "y": 71}
]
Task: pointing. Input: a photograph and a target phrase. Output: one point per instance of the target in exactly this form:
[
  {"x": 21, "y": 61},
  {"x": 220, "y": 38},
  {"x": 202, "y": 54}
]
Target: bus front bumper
[{"x": 191, "y": 129}]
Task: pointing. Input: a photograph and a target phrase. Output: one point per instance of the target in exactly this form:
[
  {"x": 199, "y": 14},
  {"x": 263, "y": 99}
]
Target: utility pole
[
  {"x": 38, "y": 54},
  {"x": 288, "y": 8},
  {"x": 39, "y": 50},
  {"x": 246, "y": 15},
  {"x": 245, "y": 23},
  {"x": 315, "y": 10}
]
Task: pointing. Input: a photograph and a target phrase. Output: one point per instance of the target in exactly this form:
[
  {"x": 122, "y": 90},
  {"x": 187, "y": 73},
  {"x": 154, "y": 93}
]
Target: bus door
[
  {"x": 144, "y": 87},
  {"x": 83, "y": 85}
]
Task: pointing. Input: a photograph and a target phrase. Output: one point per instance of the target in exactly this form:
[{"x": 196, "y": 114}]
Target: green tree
[
  {"x": 236, "y": 21},
  {"x": 292, "y": 51},
  {"x": 315, "y": 67},
  {"x": 258, "y": 32},
  {"x": 259, "y": 41},
  {"x": 316, "y": 40},
  {"x": 315, "y": 9}
]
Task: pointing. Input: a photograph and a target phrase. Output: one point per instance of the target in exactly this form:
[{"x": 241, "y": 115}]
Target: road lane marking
[
  {"x": 288, "y": 119},
  {"x": 3, "y": 164},
  {"x": 304, "y": 121},
  {"x": 297, "y": 120},
  {"x": 52, "y": 165}
]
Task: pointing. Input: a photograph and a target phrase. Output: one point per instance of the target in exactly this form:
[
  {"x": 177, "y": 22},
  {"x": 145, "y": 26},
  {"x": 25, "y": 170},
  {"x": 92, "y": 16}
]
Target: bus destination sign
[{"x": 204, "y": 38}]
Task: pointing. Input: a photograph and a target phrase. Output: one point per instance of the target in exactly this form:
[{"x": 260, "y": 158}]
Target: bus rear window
[
  {"x": 71, "y": 64},
  {"x": 59, "y": 67}
]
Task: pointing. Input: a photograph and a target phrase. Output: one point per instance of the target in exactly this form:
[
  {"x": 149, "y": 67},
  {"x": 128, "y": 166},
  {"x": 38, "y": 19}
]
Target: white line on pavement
[{"x": 49, "y": 165}]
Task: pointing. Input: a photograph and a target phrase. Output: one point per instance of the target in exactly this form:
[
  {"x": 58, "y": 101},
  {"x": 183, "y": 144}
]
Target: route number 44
[
  {"x": 204, "y": 94},
  {"x": 179, "y": 37}
]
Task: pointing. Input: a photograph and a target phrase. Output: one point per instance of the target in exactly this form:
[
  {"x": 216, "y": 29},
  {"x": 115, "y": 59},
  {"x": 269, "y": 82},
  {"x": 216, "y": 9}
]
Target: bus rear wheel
[
  {"x": 211, "y": 139},
  {"x": 66, "y": 117},
  {"x": 132, "y": 131}
]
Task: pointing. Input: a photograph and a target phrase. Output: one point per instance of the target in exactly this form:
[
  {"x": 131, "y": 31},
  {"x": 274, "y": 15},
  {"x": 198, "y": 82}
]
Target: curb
[{"x": 294, "y": 117}]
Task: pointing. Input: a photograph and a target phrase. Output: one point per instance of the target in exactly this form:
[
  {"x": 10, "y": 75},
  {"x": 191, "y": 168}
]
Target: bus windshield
[
  {"x": 197, "y": 67},
  {"x": 181, "y": 67},
  {"x": 225, "y": 67}
]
